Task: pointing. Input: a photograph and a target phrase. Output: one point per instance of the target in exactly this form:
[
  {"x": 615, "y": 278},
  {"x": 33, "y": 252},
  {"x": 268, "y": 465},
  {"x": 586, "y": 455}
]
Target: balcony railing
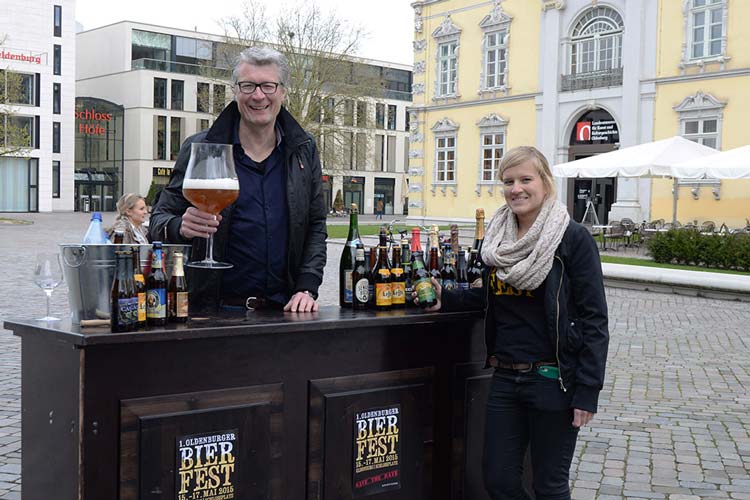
[
  {"x": 183, "y": 68},
  {"x": 592, "y": 80},
  {"x": 399, "y": 95}
]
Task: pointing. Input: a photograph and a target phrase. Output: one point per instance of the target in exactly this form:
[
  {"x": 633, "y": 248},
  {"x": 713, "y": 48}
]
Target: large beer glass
[{"x": 211, "y": 185}]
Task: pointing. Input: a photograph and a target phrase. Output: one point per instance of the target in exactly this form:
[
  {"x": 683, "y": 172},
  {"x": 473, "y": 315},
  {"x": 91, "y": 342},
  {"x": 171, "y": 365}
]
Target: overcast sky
[{"x": 389, "y": 22}]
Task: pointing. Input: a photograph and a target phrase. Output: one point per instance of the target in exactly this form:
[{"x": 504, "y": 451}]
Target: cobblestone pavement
[{"x": 674, "y": 419}]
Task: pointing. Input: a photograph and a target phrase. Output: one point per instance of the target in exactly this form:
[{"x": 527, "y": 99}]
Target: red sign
[
  {"x": 583, "y": 131},
  {"x": 17, "y": 56},
  {"x": 92, "y": 128}
]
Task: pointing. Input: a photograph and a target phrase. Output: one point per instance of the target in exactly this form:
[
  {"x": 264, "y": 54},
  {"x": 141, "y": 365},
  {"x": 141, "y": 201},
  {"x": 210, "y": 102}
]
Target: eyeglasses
[{"x": 265, "y": 87}]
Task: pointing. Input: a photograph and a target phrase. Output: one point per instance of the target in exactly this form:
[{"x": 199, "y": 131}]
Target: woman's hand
[
  {"x": 581, "y": 417},
  {"x": 196, "y": 223},
  {"x": 438, "y": 296}
]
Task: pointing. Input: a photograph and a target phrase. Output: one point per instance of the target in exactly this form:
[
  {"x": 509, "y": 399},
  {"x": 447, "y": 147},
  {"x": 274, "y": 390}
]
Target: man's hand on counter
[{"x": 301, "y": 302}]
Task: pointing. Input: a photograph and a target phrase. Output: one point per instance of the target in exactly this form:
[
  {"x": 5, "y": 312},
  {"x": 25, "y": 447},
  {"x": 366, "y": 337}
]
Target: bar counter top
[{"x": 236, "y": 323}]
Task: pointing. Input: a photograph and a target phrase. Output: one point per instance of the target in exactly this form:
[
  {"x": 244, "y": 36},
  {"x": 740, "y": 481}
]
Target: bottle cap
[{"x": 96, "y": 216}]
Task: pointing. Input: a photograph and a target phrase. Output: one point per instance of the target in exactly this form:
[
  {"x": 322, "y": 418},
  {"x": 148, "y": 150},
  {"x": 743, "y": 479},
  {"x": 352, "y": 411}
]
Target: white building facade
[
  {"x": 37, "y": 48},
  {"x": 159, "y": 77},
  {"x": 596, "y": 76}
]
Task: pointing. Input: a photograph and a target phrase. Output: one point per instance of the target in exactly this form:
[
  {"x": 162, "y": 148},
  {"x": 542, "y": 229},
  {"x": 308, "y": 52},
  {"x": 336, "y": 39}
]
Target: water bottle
[{"x": 95, "y": 233}]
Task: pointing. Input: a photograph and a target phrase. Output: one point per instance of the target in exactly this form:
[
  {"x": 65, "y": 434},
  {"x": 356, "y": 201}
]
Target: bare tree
[
  {"x": 15, "y": 133},
  {"x": 330, "y": 90}
]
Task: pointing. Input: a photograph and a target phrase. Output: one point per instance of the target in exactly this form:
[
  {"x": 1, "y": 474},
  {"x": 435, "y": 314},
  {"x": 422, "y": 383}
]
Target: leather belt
[
  {"x": 252, "y": 303},
  {"x": 519, "y": 367}
]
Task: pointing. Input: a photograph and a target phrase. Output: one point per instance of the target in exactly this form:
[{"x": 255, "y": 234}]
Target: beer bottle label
[
  {"x": 138, "y": 278},
  {"x": 123, "y": 313},
  {"x": 362, "y": 290},
  {"x": 398, "y": 292},
  {"x": 463, "y": 285},
  {"x": 425, "y": 291},
  {"x": 477, "y": 283},
  {"x": 156, "y": 303},
  {"x": 133, "y": 310},
  {"x": 182, "y": 304},
  {"x": 348, "y": 286},
  {"x": 449, "y": 285},
  {"x": 383, "y": 295},
  {"x": 142, "y": 307}
]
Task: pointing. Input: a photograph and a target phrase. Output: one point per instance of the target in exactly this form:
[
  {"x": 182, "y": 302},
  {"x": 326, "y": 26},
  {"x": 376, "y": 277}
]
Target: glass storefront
[
  {"x": 354, "y": 192},
  {"x": 99, "y": 145},
  {"x": 19, "y": 183},
  {"x": 384, "y": 192}
]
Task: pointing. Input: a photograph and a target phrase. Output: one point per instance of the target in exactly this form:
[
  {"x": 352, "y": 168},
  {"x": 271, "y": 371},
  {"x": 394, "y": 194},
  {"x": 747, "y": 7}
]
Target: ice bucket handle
[{"x": 78, "y": 251}]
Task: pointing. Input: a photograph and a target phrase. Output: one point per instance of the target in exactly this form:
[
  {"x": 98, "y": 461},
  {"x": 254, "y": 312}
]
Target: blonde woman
[
  {"x": 546, "y": 331},
  {"x": 131, "y": 215}
]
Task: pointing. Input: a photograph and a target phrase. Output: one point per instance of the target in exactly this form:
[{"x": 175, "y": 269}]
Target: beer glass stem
[
  {"x": 48, "y": 293},
  {"x": 210, "y": 248}
]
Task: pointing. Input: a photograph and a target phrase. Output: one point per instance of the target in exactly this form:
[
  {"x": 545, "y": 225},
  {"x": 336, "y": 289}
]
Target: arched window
[{"x": 596, "y": 41}]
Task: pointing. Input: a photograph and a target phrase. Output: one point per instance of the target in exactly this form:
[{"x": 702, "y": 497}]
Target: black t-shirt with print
[{"x": 520, "y": 321}]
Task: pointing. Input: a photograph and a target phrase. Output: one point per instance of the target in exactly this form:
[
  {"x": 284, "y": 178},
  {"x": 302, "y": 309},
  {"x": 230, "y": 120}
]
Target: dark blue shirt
[{"x": 260, "y": 221}]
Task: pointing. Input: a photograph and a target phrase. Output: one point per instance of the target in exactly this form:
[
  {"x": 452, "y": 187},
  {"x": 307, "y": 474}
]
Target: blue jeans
[{"x": 527, "y": 409}]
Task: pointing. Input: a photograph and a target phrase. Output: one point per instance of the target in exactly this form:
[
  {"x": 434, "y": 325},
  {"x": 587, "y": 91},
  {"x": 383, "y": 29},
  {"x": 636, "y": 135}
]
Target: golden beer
[{"x": 211, "y": 195}]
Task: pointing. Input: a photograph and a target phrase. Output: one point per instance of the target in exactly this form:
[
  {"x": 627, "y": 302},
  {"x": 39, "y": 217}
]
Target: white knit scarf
[{"x": 524, "y": 263}]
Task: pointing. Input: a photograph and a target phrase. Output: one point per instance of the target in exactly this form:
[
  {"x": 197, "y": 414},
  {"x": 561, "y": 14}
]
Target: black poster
[
  {"x": 377, "y": 451},
  {"x": 206, "y": 466}
]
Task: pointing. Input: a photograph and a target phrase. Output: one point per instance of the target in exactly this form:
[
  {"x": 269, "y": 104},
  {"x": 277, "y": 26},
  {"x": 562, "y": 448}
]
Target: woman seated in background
[{"x": 131, "y": 214}]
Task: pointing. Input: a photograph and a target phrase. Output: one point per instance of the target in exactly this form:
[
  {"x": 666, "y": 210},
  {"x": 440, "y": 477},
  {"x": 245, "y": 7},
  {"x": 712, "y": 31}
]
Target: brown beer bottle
[
  {"x": 140, "y": 287},
  {"x": 177, "y": 293},
  {"x": 156, "y": 289},
  {"x": 118, "y": 237},
  {"x": 121, "y": 296},
  {"x": 360, "y": 280},
  {"x": 398, "y": 280},
  {"x": 381, "y": 276}
]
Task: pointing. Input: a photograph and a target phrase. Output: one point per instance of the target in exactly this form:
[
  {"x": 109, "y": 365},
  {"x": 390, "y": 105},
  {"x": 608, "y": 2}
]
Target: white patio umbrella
[
  {"x": 651, "y": 159},
  {"x": 732, "y": 164}
]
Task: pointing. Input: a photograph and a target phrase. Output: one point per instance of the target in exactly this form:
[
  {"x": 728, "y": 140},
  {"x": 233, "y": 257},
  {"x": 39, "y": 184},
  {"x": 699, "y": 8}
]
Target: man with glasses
[{"x": 275, "y": 233}]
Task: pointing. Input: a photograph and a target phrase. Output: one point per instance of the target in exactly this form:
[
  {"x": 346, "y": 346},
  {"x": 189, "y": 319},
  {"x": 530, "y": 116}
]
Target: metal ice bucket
[{"x": 90, "y": 270}]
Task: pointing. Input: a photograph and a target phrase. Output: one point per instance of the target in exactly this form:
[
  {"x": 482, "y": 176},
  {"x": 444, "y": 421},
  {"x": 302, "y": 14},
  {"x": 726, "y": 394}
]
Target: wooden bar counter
[{"x": 258, "y": 405}]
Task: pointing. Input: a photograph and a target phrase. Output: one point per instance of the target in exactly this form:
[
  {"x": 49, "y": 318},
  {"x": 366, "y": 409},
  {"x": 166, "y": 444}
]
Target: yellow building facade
[{"x": 492, "y": 75}]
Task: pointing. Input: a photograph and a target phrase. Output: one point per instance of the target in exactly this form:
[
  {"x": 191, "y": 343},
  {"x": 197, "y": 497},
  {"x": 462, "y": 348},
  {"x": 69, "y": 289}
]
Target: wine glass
[
  {"x": 211, "y": 185},
  {"x": 47, "y": 276}
]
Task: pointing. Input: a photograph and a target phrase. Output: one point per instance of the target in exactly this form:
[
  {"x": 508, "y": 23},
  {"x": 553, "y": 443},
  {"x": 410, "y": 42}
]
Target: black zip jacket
[
  {"x": 576, "y": 314},
  {"x": 306, "y": 242}
]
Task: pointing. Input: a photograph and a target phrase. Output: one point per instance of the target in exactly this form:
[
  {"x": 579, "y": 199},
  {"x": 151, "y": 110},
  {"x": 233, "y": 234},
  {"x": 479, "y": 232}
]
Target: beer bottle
[
  {"x": 130, "y": 284},
  {"x": 398, "y": 280},
  {"x": 360, "y": 280},
  {"x": 371, "y": 266},
  {"x": 448, "y": 271},
  {"x": 474, "y": 272},
  {"x": 120, "y": 316},
  {"x": 479, "y": 231},
  {"x": 381, "y": 276},
  {"x": 346, "y": 264},
  {"x": 406, "y": 266},
  {"x": 462, "y": 275},
  {"x": 118, "y": 237},
  {"x": 426, "y": 295},
  {"x": 435, "y": 243},
  {"x": 177, "y": 292},
  {"x": 455, "y": 248},
  {"x": 434, "y": 268},
  {"x": 156, "y": 289},
  {"x": 140, "y": 286}
]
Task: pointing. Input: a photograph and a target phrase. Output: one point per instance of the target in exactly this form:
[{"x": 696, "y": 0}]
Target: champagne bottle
[
  {"x": 435, "y": 243},
  {"x": 398, "y": 280},
  {"x": 434, "y": 268},
  {"x": 426, "y": 295},
  {"x": 360, "y": 280},
  {"x": 479, "y": 231},
  {"x": 455, "y": 248},
  {"x": 346, "y": 264}
]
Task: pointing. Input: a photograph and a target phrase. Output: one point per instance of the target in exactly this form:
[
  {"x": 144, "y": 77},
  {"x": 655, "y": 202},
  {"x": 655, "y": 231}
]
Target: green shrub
[{"x": 682, "y": 246}]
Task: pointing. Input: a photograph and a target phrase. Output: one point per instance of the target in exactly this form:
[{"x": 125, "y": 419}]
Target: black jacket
[
  {"x": 576, "y": 314},
  {"x": 306, "y": 242}
]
